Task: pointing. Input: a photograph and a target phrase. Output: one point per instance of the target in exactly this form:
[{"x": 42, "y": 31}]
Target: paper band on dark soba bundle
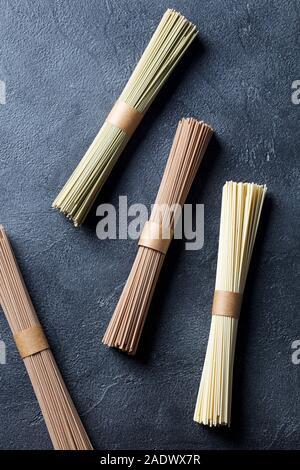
[
  {"x": 31, "y": 341},
  {"x": 157, "y": 238}
]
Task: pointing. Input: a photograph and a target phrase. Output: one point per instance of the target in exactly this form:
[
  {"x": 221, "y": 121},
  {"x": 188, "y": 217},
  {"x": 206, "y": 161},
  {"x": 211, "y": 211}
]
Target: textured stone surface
[{"x": 64, "y": 64}]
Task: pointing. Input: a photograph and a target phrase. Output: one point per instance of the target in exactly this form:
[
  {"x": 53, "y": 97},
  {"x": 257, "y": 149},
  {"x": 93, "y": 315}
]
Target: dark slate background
[{"x": 64, "y": 64}]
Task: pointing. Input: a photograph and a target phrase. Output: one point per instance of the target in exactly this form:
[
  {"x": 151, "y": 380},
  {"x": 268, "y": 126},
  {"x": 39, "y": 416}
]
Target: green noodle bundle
[{"x": 171, "y": 39}]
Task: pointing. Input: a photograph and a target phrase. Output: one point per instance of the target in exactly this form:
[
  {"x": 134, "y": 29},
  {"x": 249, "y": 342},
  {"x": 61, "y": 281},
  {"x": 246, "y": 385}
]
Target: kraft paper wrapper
[
  {"x": 153, "y": 237},
  {"x": 31, "y": 341},
  {"x": 124, "y": 117},
  {"x": 227, "y": 304}
]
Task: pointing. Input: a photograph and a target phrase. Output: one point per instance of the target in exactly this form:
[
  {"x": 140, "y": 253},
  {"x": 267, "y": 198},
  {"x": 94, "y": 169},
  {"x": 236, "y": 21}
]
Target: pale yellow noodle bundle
[
  {"x": 64, "y": 425},
  {"x": 171, "y": 39},
  {"x": 241, "y": 209}
]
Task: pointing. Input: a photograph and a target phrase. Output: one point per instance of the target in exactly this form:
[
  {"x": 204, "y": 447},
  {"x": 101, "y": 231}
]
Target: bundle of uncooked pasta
[
  {"x": 241, "y": 209},
  {"x": 64, "y": 425},
  {"x": 171, "y": 39},
  {"x": 189, "y": 145}
]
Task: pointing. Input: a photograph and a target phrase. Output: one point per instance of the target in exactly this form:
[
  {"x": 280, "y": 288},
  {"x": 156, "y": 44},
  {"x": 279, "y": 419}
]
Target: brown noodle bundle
[
  {"x": 64, "y": 425},
  {"x": 126, "y": 325}
]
